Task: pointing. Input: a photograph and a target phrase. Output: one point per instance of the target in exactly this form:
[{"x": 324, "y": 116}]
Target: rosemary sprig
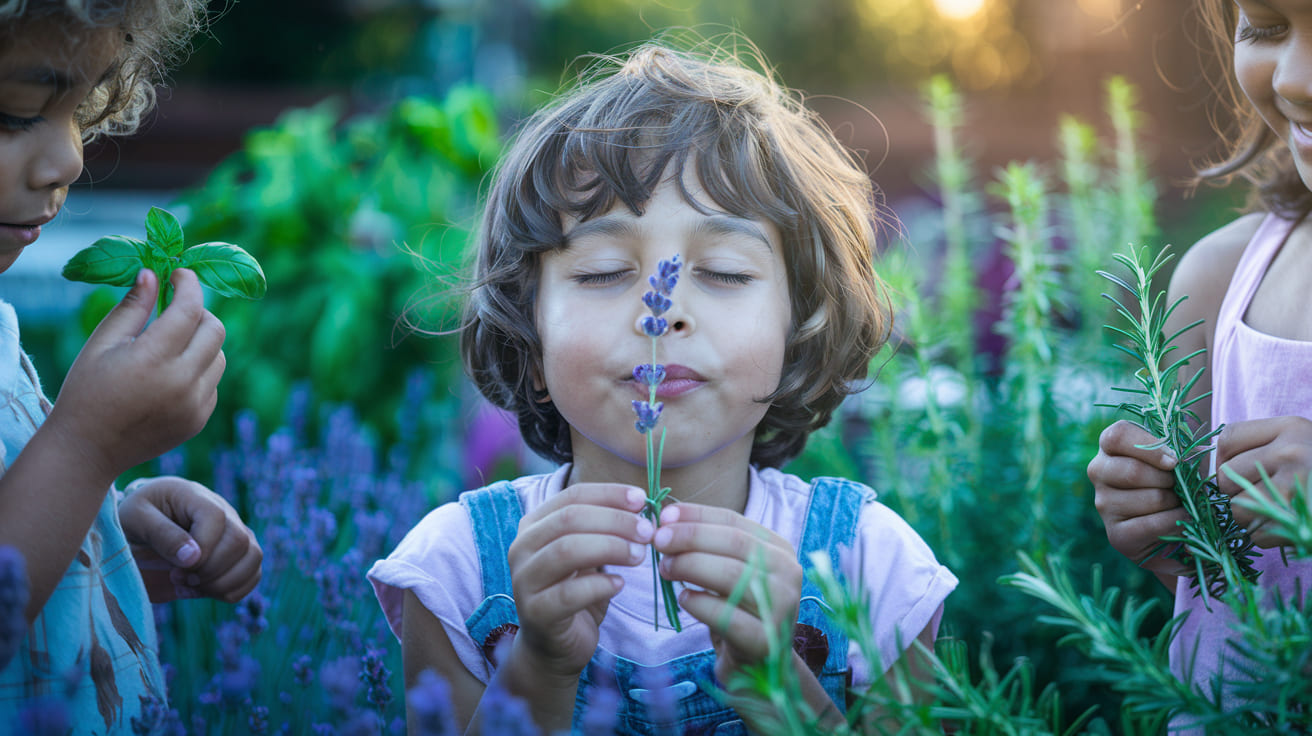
[{"x": 1210, "y": 541}]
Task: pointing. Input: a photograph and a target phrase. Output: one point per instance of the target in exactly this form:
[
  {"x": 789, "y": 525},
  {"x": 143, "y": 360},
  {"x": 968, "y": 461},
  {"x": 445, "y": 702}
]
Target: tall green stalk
[{"x": 1028, "y": 326}]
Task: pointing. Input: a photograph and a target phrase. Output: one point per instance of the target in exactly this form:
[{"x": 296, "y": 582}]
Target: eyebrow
[
  {"x": 713, "y": 225},
  {"x": 50, "y": 77},
  {"x": 40, "y": 75}
]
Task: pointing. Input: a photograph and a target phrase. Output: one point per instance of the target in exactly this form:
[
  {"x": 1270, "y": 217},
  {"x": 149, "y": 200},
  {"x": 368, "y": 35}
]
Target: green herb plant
[
  {"x": 116, "y": 260},
  {"x": 1210, "y": 540}
]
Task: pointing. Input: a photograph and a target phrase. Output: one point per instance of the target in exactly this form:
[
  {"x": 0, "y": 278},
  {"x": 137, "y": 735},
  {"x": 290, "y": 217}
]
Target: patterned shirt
[{"x": 93, "y": 646}]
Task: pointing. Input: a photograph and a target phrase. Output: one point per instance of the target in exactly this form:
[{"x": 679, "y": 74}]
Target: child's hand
[
  {"x": 557, "y": 571},
  {"x": 188, "y": 541},
  {"x": 132, "y": 395},
  {"x": 1134, "y": 494},
  {"x": 1283, "y": 445},
  {"x": 713, "y": 548}
]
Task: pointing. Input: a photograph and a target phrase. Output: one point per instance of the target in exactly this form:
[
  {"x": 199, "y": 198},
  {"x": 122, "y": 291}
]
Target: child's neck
[{"x": 719, "y": 480}]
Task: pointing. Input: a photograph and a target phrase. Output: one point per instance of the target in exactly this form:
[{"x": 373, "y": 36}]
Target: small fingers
[
  {"x": 1125, "y": 439},
  {"x": 612, "y": 495},
  {"x": 568, "y": 555},
  {"x": 742, "y": 631},
  {"x": 567, "y": 597}
]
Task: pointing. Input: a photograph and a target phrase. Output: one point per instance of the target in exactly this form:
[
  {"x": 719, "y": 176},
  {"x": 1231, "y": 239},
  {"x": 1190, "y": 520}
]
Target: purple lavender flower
[
  {"x": 654, "y": 326},
  {"x": 13, "y": 602},
  {"x": 250, "y": 613},
  {"x": 374, "y": 674},
  {"x": 301, "y": 670},
  {"x": 340, "y": 682},
  {"x": 648, "y": 412},
  {"x": 156, "y": 719},
  {"x": 649, "y": 375},
  {"x": 648, "y": 415},
  {"x": 504, "y": 714},
  {"x": 430, "y": 706}
]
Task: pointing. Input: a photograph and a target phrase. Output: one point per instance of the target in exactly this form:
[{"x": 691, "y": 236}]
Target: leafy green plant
[
  {"x": 369, "y": 217},
  {"x": 116, "y": 260}
]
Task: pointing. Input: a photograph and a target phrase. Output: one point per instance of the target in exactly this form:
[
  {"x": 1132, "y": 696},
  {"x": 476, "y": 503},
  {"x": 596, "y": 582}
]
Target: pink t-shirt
[
  {"x": 439, "y": 562},
  {"x": 1254, "y": 376}
]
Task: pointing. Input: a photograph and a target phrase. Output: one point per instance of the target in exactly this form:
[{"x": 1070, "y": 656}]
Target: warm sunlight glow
[
  {"x": 1104, "y": 9},
  {"x": 959, "y": 9}
]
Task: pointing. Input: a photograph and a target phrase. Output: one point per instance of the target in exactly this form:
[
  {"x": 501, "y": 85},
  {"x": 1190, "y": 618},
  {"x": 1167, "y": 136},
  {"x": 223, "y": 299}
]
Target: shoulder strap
[
  {"x": 831, "y": 519},
  {"x": 494, "y": 514}
]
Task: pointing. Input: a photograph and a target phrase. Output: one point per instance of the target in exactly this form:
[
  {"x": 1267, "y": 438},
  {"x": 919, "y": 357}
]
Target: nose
[
  {"x": 1292, "y": 78},
  {"x": 57, "y": 161}
]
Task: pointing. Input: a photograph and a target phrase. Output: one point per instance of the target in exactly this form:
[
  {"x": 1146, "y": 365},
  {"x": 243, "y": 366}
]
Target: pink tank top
[{"x": 1254, "y": 376}]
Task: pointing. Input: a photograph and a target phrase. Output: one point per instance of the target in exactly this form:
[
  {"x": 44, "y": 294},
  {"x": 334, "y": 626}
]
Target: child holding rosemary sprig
[
  {"x": 95, "y": 559},
  {"x": 1250, "y": 285},
  {"x": 537, "y": 587}
]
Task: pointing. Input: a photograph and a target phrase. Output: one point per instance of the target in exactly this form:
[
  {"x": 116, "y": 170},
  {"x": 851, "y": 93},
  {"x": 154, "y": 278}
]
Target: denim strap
[
  {"x": 831, "y": 520},
  {"x": 494, "y": 513}
]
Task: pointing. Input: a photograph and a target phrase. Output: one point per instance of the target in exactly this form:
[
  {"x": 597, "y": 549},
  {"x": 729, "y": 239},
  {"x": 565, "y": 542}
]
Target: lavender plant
[
  {"x": 648, "y": 412},
  {"x": 116, "y": 259}
]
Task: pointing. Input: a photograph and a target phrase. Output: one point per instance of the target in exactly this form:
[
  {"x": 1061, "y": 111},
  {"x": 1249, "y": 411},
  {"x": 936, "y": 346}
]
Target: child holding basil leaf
[{"x": 69, "y": 70}]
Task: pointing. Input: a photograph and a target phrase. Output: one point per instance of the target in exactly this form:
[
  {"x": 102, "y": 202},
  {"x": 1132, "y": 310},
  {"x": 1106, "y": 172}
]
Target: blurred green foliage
[{"x": 360, "y": 225}]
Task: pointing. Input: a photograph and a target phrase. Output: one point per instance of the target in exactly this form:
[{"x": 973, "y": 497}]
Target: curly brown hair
[
  {"x": 1252, "y": 150},
  {"x": 757, "y": 152},
  {"x": 155, "y": 34}
]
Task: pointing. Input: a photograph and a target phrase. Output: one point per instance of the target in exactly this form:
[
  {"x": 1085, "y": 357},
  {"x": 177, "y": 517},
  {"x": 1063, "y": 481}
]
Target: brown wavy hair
[
  {"x": 1252, "y": 150},
  {"x": 154, "y": 34},
  {"x": 757, "y": 152}
]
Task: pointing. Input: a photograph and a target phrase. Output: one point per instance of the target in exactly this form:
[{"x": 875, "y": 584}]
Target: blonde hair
[
  {"x": 153, "y": 35},
  {"x": 757, "y": 152}
]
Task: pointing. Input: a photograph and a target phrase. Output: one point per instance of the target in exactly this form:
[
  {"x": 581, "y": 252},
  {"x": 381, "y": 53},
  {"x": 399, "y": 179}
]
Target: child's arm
[
  {"x": 714, "y": 548},
  {"x": 130, "y": 396},
  {"x": 562, "y": 592},
  {"x": 188, "y": 541},
  {"x": 1134, "y": 488}
]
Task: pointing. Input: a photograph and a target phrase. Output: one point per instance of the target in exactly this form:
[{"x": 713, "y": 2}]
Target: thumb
[{"x": 129, "y": 316}]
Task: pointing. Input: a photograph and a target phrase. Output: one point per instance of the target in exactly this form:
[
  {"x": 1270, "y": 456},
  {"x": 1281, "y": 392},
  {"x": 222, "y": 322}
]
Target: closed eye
[
  {"x": 1248, "y": 31},
  {"x": 14, "y": 123},
  {"x": 599, "y": 279},
  {"x": 725, "y": 277}
]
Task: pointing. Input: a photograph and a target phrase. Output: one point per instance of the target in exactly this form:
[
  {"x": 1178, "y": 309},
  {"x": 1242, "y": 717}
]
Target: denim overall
[{"x": 831, "y": 519}]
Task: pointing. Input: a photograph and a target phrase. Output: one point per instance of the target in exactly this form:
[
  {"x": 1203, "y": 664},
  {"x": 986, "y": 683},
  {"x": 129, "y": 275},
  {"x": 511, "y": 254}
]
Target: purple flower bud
[
  {"x": 648, "y": 415},
  {"x": 669, "y": 270},
  {"x": 648, "y": 374},
  {"x": 658, "y": 303},
  {"x": 654, "y": 326},
  {"x": 430, "y": 706}
]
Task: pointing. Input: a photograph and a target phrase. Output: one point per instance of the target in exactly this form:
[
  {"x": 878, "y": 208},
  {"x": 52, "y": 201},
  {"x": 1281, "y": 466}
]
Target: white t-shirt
[{"x": 438, "y": 560}]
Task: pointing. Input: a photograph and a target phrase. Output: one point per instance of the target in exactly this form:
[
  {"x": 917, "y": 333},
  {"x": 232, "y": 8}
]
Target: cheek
[{"x": 1254, "y": 74}]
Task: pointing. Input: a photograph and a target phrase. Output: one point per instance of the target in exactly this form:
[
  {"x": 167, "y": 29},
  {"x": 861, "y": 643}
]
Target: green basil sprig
[{"x": 225, "y": 268}]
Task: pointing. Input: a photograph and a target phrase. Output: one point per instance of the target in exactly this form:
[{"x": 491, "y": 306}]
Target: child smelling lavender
[{"x": 542, "y": 587}]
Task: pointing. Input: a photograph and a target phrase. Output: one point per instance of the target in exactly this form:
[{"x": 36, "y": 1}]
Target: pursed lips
[{"x": 679, "y": 379}]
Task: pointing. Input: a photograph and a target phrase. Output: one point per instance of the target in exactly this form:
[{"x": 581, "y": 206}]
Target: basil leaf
[
  {"x": 225, "y": 268},
  {"x": 164, "y": 230},
  {"x": 113, "y": 260}
]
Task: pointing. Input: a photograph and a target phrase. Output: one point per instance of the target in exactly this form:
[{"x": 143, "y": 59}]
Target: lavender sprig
[{"x": 649, "y": 414}]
